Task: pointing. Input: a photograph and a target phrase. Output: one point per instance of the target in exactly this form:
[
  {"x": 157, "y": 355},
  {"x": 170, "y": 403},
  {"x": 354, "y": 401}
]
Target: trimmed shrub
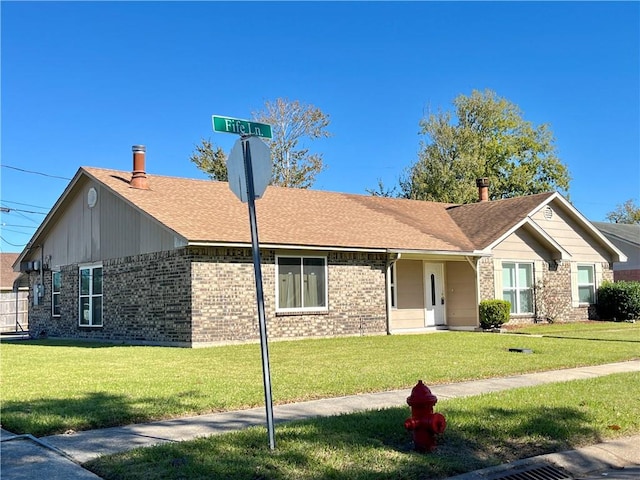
[
  {"x": 493, "y": 313},
  {"x": 619, "y": 301}
]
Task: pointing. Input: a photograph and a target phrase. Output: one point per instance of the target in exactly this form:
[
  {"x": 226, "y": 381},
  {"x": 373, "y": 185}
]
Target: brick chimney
[
  {"x": 139, "y": 175},
  {"x": 483, "y": 189}
]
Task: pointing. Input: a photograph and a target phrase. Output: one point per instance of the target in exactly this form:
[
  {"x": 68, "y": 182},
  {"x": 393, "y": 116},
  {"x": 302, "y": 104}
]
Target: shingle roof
[
  {"x": 623, "y": 231},
  {"x": 207, "y": 211},
  {"x": 7, "y": 275},
  {"x": 485, "y": 222}
]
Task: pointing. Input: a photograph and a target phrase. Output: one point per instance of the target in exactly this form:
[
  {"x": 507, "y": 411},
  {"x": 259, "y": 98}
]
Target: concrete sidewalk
[{"x": 70, "y": 450}]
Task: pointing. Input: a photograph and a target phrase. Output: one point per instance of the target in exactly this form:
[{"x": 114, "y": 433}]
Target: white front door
[{"x": 434, "y": 294}]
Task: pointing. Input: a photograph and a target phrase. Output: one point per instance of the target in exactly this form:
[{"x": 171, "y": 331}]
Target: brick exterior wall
[
  {"x": 224, "y": 299},
  {"x": 486, "y": 278},
  {"x": 146, "y": 299},
  {"x": 204, "y": 296},
  {"x": 626, "y": 275},
  {"x": 552, "y": 293}
]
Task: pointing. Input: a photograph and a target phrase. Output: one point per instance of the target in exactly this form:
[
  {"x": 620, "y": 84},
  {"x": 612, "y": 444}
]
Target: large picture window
[
  {"x": 517, "y": 286},
  {"x": 302, "y": 283},
  {"x": 91, "y": 296},
  {"x": 55, "y": 293},
  {"x": 586, "y": 284}
]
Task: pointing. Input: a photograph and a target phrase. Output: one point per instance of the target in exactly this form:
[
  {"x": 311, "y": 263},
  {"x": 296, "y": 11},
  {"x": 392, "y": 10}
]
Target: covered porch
[{"x": 432, "y": 291}]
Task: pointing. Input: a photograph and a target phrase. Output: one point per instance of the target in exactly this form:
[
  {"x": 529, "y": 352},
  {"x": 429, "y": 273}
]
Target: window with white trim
[
  {"x": 91, "y": 296},
  {"x": 392, "y": 285},
  {"x": 302, "y": 283},
  {"x": 586, "y": 284},
  {"x": 517, "y": 286},
  {"x": 56, "y": 278}
]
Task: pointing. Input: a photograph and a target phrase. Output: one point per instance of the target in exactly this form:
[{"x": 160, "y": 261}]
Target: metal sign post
[
  {"x": 266, "y": 374},
  {"x": 247, "y": 184}
]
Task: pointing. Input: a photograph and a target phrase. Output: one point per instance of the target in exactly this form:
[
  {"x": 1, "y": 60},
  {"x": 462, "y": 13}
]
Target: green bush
[
  {"x": 619, "y": 301},
  {"x": 493, "y": 313}
]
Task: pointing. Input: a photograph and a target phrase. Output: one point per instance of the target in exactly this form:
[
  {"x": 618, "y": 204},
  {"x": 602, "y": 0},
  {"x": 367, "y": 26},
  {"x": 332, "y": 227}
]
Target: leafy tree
[
  {"x": 382, "y": 191},
  {"x": 485, "y": 137},
  {"x": 211, "y": 160},
  {"x": 291, "y": 122},
  {"x": 628, "y": 212}
]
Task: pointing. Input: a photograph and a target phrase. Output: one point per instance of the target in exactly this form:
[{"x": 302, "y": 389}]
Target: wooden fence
[{"x": 8, "y": 311}]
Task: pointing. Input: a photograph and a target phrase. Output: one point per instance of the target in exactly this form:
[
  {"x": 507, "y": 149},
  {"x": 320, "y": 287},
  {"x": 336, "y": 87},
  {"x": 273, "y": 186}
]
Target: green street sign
[{"x": 240, "y": 127}]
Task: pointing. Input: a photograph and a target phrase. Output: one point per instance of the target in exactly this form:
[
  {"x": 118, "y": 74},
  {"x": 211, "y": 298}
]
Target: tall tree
[
  {"x": 211, "y": 160},
  {"x": 628, "y": 212},
  {"x": 292, "y": 122},
  {"x": 486, "y": 136}
]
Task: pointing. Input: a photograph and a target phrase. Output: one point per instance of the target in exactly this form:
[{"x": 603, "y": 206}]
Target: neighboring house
[
  {"x": 627, "y": 238},
  {"x": 13, "y": 296},
  {"x": 147, "y": 259}
]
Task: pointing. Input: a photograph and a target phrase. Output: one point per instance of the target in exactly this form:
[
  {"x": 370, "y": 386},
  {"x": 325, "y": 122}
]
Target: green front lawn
[
  {"x": 595, "y": 330},
  {"x": 53, "y": 386},
  {"x": 481, "y": 431}
]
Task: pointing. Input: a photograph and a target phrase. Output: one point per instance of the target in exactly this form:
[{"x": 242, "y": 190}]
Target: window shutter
[
  {"x": 575, "y": 300},
  {"x": 497, "y": 278}
]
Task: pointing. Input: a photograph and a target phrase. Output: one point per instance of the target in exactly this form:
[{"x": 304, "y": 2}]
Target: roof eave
[{"x": 284, "y": 246}]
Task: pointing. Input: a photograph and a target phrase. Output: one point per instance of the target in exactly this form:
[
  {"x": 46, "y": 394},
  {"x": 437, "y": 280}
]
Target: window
[
  {"x": 517, "y": 286},
  {"x": 392, "y": 285},
  {"x": 91, "y": 296},
  {"x": 586, "y": 284},
  {"x": 55, "y": 293},
  {"x": 302, "y": 283}
]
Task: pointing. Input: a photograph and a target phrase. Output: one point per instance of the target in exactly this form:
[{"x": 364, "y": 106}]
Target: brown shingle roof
[
  {"x": 207, "y": 211},
  {"x": 7, "y": 275},
  {"x": 485, "y": 222}
]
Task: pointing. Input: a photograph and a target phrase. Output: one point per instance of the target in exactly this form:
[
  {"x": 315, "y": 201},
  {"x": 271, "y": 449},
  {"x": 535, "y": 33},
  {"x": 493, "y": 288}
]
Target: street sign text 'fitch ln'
[{"x": 241, "y": 127}]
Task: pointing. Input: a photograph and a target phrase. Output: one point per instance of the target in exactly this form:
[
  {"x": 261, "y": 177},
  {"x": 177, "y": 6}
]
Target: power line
[
  {"x": 24, "y": 204},
  {"x": 12, "y": 244},
  {"x": 20, "y": 226},
  {"x": 35, "y": 173},
  {"x": 9, "y": 210},
  {"x": 16, "y": 231}
]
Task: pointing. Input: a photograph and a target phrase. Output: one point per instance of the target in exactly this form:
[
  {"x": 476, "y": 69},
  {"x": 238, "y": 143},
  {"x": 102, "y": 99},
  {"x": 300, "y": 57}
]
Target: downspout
[{"x": 394, "y": 257}]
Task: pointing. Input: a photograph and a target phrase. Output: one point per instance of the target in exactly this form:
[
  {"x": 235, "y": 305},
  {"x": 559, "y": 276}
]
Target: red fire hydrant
[{"x": 423, "y": 422}]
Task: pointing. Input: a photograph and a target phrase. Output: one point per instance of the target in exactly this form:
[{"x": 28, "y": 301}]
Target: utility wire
[
  {"x": 24, "y": 204},
  {"x": 35, "y": 173},
  {"x": 14, "y": 225},
  {"x": 16, "y": 231},
  {"x": 9, "y": 210},
  {"x": 12, "y": 244}
]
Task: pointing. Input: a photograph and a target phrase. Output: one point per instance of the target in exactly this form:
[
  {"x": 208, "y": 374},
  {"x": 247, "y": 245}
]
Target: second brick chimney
[
  {"x": 483, "y": 189},
  {"x": 139, "y": 175}
]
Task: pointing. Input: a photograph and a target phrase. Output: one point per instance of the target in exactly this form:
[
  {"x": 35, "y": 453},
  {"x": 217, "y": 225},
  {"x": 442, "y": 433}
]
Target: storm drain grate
[{"x": 539, "y": 472}]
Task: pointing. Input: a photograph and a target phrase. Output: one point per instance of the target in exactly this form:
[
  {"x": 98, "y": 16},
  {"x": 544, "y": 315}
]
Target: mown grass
[
  {"x": 594, "y": 330},
  {"x": 482, "y": 431},
  {"x": 53, "y": 386}
]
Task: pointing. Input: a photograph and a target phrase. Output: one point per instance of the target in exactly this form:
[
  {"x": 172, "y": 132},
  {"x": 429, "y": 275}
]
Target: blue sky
[{"x": 83, "y": 82}]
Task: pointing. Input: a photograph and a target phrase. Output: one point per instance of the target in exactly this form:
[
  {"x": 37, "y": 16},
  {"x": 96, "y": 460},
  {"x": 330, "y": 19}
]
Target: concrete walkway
[{"x": 20, "y": 458}]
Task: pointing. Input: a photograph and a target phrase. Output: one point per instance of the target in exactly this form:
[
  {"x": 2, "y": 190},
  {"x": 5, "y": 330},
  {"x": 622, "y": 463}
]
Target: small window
[
  {"x": 55, "y": 293},
  {"x": 91, "y": 296},
  {"x": 517, "y": 286},
  {"x": 392, "y": 285},
  {"x": 586, "y": 284},
  {"x": 302, "y": 283}
]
